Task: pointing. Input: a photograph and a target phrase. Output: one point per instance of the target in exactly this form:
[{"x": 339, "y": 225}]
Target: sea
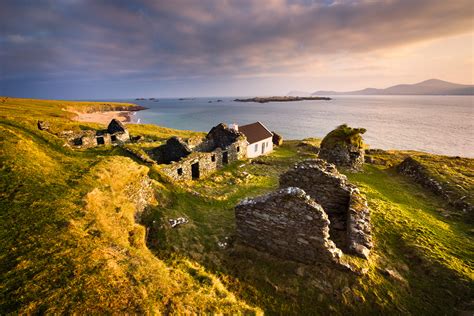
[{"x": 435, "y": 124}]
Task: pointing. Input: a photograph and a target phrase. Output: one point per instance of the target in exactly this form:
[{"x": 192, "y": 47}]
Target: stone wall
[
  {"x": 321, "y": 180},
  {"x": 288, "y": 224},
  {"x": 344, "y": 156},
  {"x": 416, "y": 171},
  {"x": 222, "y": 146},
  {"x": 346, "y": 215},
  {"x": 342, "y": 201}
]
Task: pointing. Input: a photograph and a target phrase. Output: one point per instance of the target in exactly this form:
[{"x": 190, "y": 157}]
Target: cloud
[{"x": 58, "y": 39}]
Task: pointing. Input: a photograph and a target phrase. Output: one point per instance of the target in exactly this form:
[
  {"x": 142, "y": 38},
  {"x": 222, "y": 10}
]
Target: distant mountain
[{"x": 428, "y": 87}]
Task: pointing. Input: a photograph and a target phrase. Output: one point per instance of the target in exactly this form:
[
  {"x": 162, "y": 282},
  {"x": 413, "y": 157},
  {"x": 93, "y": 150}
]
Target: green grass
[{"x": 71, "y": 244}]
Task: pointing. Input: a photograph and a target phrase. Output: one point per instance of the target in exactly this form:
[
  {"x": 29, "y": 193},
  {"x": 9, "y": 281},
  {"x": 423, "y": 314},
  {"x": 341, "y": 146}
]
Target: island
[{"x": 281, "y": 99}]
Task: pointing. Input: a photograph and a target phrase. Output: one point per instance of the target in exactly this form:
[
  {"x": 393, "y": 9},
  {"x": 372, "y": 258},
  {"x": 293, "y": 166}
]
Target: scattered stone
[
  {"x": 344, "y": 147},
  {"x": 179, "y": 221}
]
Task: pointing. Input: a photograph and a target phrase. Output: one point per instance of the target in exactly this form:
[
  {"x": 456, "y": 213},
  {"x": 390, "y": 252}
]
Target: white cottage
[{"x": 259, "y": 138}]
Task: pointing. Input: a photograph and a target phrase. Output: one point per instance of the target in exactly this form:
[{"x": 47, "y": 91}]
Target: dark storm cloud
[{"x": 146, "y": 39}]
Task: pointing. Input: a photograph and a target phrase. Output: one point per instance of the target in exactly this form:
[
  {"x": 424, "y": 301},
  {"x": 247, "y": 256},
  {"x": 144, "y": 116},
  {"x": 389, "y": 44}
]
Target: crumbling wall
[
  {"x": 346, "y": 219},
  {"x": 173, "y": 150},
  {"x": 288, "y": 224},
  {"x": 342, "y": 201},
  {"x": 182, "y": 169},
  {"x": 413, "y": 169},
  {"x": 321, "y": 180}
]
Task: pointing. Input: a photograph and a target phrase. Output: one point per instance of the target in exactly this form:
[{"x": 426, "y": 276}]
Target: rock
[
  {"x": 277, "y": 139},
  {"x": 393, "y": 274},
  {"x": 43, "y": 125},
  {"x": 344, "y": 147}
]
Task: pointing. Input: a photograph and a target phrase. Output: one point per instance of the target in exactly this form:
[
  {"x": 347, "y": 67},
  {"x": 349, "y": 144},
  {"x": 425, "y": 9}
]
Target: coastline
[{"x": 105, "y": 117}]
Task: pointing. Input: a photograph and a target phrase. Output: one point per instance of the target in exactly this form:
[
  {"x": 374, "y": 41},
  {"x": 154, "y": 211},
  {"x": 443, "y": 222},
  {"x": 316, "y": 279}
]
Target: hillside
[
  {"x": 427, "y": 87},
  {"x": 87, "y": 231}
]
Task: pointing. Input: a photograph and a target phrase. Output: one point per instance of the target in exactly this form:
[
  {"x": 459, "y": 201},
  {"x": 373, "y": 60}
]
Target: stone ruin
[
  {"x": 314, "y": 216},
  {"x": 195, "y": 159},
  {"x": 287, "y": 223},
  {"x": 116, "y": 133},
  {"x": 344, "y": 147}
]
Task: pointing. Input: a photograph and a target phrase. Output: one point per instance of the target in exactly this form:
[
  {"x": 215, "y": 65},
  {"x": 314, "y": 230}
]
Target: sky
[{"x": 99, "y": 49}]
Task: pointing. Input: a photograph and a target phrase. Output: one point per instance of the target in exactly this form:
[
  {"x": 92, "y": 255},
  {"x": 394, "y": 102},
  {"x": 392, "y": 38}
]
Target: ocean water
[{"x": 435, "y": 124}]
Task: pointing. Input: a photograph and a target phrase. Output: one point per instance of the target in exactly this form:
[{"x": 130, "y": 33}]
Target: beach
[{"x": 104, "y": 117}]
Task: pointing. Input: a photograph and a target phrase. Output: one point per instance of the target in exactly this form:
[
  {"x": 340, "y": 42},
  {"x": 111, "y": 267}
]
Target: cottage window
[
  {"x": 256, "y": 147},
  {"x": 213, "y": 158},
  {"x": 100, "y": 140},
  {"x": 238, "y": 148},
  {"x": 113, "y": 138},
  {"x": 180, "y": 171}
]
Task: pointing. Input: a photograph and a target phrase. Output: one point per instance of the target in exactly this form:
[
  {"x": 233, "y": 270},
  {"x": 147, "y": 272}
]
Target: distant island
[
  {"x": 281, "y": 99},
  {"x": 427, "y": 87}
]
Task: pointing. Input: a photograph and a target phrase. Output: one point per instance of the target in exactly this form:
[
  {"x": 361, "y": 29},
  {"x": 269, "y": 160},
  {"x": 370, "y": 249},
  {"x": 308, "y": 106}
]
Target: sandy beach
[{"x": 104, "y": 117}]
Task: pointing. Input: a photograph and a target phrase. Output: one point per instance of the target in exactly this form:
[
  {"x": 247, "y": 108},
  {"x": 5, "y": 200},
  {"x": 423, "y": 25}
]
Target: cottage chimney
[{"x": 234, "y": 126}]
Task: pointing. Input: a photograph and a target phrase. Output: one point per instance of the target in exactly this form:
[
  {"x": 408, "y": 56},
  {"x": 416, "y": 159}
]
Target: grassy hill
[{"x": 71, "y": 242}]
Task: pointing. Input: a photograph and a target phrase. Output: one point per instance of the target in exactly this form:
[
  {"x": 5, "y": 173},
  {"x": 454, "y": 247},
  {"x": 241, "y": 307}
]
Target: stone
[
  {"x": 344, "y": 147},
  {"x": 343, "y": 203},
  {"x": 115, "y": 126},
  {"x": 197, "y": 158},
  {"x": 43, "y": 125},
  {"x": 413, "y": 169},
  {"x": 277, "y": 139},
  {"x": 285, "y": 230}
]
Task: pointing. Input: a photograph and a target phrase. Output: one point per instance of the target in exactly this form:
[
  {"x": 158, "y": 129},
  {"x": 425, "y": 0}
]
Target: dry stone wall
[
  {"x": 275, "y": 221},
  {"x": 288, "y": 224}
]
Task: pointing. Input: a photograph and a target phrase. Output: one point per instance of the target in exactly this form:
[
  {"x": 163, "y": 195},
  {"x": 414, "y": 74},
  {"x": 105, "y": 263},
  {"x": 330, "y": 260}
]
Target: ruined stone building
[
  {"x": 195, "y": 159},
  {"x": 314, "y": 216},
  {"x": 116, "y": 133}
]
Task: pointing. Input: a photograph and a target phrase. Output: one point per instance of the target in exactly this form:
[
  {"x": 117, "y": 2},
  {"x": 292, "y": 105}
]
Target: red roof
[{"x": 255, "y": 132}]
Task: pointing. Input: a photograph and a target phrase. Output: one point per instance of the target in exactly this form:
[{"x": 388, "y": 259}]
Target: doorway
[
  {"x": 225, "y": 157},
  {"x": 195, "y": 170}
]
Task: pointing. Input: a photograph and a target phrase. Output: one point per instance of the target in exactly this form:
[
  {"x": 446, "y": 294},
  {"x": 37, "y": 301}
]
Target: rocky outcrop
[
  {"x": 277, "y": 139},
  {"x": 344, "y": 147},
  {"x": 415, "y": 170},
  {"x": 346, "y": 207},
  {"x": 288, "y": 224}
]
